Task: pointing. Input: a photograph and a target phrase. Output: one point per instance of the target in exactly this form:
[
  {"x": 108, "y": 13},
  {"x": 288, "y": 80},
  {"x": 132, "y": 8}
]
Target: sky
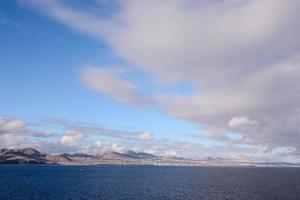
[{"x": 207, "y": 78}]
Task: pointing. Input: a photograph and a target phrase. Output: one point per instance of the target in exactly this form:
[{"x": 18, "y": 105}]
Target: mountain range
[{"x": 33, "y": 156}]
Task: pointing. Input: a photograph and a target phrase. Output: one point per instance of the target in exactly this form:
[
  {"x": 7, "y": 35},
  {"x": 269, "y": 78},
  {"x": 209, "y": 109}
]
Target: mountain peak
[
  {"x": 33, "y": 156},
  {"x": 140, "y": 155},
  {"x": 29, "y": 151}
]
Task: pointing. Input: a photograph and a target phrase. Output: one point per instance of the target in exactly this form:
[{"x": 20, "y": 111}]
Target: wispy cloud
[
  {"x": 110, "y": 82},
  {"x": 78, "y": 137},
  {"x": 8, "y": 125},
  {"x": 94, "y": 129}
]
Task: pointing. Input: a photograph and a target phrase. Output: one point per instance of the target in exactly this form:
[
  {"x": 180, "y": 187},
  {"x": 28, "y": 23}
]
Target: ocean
[{"x": 105, "y": 182}]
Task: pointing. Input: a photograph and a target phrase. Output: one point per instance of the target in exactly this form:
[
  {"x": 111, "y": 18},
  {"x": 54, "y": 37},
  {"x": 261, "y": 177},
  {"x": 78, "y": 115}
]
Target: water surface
[{"x": 147, "y": 183}]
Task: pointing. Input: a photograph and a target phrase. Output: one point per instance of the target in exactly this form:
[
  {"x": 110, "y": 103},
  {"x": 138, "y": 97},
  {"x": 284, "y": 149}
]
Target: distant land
[{"x": 33, "y": 156}]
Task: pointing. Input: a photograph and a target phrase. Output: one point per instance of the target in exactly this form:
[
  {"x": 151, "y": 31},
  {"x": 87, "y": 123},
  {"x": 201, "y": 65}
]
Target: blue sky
[
  {"x": 40, "y": 69},
  {"x": 41, "y": 62},
  {"x": 151, "y": 76}
]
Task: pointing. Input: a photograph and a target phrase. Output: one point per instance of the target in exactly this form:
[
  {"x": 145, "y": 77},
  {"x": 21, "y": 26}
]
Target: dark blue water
[{"x": 147, "y": 183}]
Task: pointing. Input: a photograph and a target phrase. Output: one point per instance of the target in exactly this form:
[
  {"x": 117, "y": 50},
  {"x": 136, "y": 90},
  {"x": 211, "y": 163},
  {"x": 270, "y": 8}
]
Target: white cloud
[
  {"x": 267, "y": 101},
  {"x": 11, "y": 125},
  {"x": 14, "y": 125},
  {"x": 145, "y": 136},
  {"x": 99, "y": 143},
  {"x": 117, "y": 148},
  {"x": 10, "y": 140},
  {"x": 179, "y": 40},
  {"x": 110, "y": 83},
  {"x": 214, "y": 134},
  {"x": 171, "y": 153},
  {"x": 104, "y": 146},
  {"x": 238, "y": 121},
  {"x": 71, "y": 138}
]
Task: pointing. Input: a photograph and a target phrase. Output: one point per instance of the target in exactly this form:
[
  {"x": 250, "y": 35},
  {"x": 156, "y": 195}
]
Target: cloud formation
[
  {"x": 96, "y": 130},
  {"x": 71, "y": 138},
  {"x": 11, "y": 125},
  {"x": 145, "y": 136},
  {"x": 241, "y": 56},
  {"x": 110, "y": 83},
  {"x": 239, "y": 121}
]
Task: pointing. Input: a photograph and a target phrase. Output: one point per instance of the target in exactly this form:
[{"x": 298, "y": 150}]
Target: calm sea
[{"x": 147, "y": 183}]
